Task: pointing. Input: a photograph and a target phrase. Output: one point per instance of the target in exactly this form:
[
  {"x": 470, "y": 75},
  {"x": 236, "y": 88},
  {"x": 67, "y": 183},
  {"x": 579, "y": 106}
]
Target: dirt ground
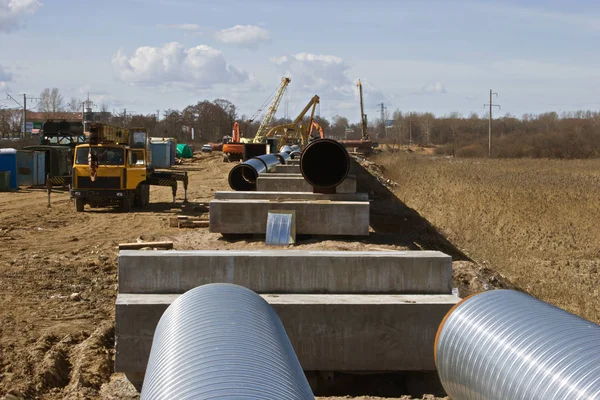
[{"x": 58, "y": 276}]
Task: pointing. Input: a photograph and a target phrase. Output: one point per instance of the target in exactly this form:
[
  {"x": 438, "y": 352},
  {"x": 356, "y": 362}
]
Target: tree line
[{"x": 568, "y": 135}]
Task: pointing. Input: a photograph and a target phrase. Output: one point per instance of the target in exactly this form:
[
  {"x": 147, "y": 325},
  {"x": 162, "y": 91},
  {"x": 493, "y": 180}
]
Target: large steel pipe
[
  {"x": 283, "y": 157},
  {"x": 324, "y": 163},
  {"x": 505, "y": 344},
  {"x": 270, "y": 160},
  {"x": 222, "y": 341},
  {"x": 286, "y": 149},
  {"x": 243, "y": 176}
]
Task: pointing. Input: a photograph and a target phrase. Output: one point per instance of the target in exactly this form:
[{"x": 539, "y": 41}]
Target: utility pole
[
  {"x": 410, "y": 129},
  {"x": 383, "y": 108},
  {"x": 491, "y": 104},
  {"x": 24, "y": 106}
]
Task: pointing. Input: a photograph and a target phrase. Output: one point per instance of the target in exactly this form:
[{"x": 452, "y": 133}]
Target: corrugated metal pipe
[
  {"x": 243, "y": 176},
  {"x": 324, "y": 163},
  {"x": 504, "y": 344},
  {"x": 222, "y": 341}
]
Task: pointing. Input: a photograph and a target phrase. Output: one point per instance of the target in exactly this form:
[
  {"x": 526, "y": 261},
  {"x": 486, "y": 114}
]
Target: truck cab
[{"x": 110, "y": 175}]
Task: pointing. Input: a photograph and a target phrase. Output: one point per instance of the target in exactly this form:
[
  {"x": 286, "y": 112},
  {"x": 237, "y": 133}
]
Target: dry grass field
[{"x": 535, "y": 221}]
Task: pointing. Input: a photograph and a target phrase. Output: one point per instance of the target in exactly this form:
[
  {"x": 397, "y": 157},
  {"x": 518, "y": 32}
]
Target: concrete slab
[
  {"x": 287, "y": 169},
  {"x": 296, "y": 183},
  {"x": 233, "y": 195},
  {"x": 287, "y": 271},
  {"x": 329, "y": 332},
  {"x": 350, "y": 218}
]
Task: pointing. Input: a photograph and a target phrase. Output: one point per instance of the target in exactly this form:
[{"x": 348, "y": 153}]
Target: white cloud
[
  {"x": 326, "y": 76},
  {"x": 243, "y": 35},
  {"x": 436, "y": 87},
  {"x": 5, "y": 77},
  {"x": 11, "y": 12},
  {"x": 183, "y": 27},
  {"x": 172, "y": 65}
]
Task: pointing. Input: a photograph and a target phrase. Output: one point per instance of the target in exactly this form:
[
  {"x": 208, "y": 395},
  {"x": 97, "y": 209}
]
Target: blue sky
[{"x": 437, "y": 56}]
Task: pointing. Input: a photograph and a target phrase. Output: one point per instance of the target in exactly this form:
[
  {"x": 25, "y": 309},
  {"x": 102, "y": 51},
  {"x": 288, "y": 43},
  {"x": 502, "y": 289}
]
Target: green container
[{"x": 4, "y": 181}]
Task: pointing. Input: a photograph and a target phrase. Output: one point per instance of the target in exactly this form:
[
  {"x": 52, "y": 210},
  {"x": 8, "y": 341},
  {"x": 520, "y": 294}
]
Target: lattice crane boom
[{"x": 264, "y": 125}]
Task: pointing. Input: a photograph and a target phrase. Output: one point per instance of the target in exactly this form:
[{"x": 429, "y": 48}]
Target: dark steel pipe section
[
  {"x": 283, "y": 157},
  {"x": 297, "y": 148},
  {"x": 222, "y": 341},
  {"x": 243, "y": 176},
  {"x": 324, "y": 163},
  {"x": 504, "y": 344},
  {"x": 286, "y": 149}
]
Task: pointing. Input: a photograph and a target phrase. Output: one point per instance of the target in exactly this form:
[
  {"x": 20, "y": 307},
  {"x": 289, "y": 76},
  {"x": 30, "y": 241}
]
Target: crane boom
[
  {"x": 264, "y": 125},
  {"x": 363, "y": 117}
]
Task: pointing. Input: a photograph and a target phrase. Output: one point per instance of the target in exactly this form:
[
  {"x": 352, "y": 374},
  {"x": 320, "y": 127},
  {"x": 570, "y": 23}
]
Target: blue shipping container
[
  {"x": 8, "y": 162},
  {"x": 31, "y": 168},
  {"x": 161, "y": 157}
]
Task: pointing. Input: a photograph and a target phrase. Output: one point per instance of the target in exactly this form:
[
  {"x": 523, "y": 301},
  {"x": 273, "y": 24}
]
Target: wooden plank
[
  {"x": 137, "y": 246},
  {"x": 194, "y": 224}
]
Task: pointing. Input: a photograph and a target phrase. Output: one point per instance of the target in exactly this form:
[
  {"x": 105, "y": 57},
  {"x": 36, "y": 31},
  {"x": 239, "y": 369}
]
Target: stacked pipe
[
  {"x": 296, "y": 151},
  {"x": 505, "y": 344},
  {"x": 243, "y": 176},
  {"x": 324, "y": 163},
  {"x": 222, "y": 341}
]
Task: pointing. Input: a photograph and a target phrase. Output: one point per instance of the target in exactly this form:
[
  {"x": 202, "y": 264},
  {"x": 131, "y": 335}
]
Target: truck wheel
[
  {"x": 79, "y": 204},
  {"x": 125, "y": 205},
  {"x": 146, "y": 195}
]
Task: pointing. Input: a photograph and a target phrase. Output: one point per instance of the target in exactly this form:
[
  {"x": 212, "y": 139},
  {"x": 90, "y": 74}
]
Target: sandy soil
[{"x": 58, "y": 276}]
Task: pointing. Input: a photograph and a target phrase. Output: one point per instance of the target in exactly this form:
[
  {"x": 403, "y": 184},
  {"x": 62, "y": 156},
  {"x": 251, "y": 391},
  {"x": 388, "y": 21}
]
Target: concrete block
[
  {"x": 287, "y": 169},
  {"x": 350, "y": 218},
  {"x": 287, "y": 271},
  {"x": 365, "y": 333},
  {"x": 233, "y": 195},
  {"x": 296, "y": 183}
]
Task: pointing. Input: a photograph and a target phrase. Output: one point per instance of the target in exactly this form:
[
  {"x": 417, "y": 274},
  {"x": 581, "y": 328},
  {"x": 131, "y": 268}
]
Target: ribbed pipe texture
[
  {"x": 222, "y": 341},
  {"x": 504, "y": 344}
]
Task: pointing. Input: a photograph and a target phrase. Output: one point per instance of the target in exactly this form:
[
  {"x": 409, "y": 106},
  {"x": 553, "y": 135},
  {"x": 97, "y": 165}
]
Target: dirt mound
[{"x": 71, "y": 367}]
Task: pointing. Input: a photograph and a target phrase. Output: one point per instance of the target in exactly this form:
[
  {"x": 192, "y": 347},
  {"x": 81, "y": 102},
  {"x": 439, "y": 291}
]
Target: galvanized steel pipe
[
  {"x": 222, "y": 341},
  {"x": 324, "y": 163},
  {"x": 504, "y": 344}
]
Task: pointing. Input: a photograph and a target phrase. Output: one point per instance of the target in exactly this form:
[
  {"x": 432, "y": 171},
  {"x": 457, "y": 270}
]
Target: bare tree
[
  {"x": 75, "y": 105},
  {"x": 51, "y": 101}
]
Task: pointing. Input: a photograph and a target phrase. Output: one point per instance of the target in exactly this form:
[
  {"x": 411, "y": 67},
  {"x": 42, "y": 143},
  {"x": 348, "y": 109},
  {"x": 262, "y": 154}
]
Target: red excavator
[{"x": 234, "y": 150}]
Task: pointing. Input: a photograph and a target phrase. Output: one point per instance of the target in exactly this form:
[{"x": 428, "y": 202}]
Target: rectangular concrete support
[
  {"x": 349, "y": 218},
  {"x": 296, "y": 183},
  {"x": 328, "y": 332},
  {"x": 233, "y": 195},
  {"x": 287, "y": 169},
  {"x": 287, "y": 271}
]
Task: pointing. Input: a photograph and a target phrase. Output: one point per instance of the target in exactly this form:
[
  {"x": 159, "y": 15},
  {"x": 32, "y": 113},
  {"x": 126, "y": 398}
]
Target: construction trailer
[{"x": 115, "y": 169}]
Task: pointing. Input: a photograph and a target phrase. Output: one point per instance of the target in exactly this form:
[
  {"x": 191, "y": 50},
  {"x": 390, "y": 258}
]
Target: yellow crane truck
[{"x": 115, "y": 169}]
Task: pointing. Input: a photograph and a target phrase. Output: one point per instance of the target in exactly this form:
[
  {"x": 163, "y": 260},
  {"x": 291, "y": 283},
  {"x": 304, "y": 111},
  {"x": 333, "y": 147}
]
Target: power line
[
  {"x": 24, "y": 106},
  {"x": 491, "y": 104}
]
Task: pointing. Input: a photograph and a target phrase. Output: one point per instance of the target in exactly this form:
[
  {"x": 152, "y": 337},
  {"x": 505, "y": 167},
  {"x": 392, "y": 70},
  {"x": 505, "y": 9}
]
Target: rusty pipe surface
[
  {"x": 504, "y": 344},
  {"x": 324, "y": 163},
  {"x": 222, "y": 341}
]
